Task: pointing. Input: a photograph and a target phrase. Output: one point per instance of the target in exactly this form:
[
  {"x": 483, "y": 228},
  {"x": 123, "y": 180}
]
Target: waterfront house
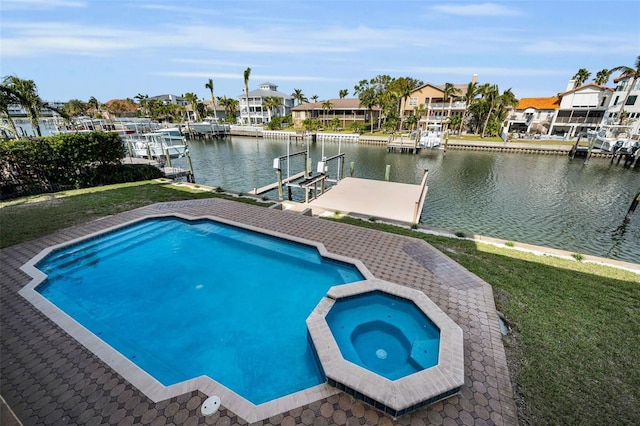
[
  {"x": 256, "y": 112},
  {"x": 348, "y": 110},
  {"x": 436, "y": 109},
  {"x": 169, "y": 99},
  {"x": 533, "y": 115},
  {"x": 631, "y": 106},
  {"x": 581, "y": 109}
]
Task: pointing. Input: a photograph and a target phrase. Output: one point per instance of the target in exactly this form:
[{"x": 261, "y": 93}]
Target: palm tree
[
  {"x": 209, "y": 86},
  {"x": 193, "y": 99},
  {"x": 602, "y": 77},
  {"x": 326, "y": 106},
  {"x": 7, "y": 98},
  {"x": 634, "y": 75},
  {"x": 581, "y": 76},
  {"x": 490, "y": 95},
  {"x": 26, "y": 93},
  {"x": 449, "y": 91},
  {"x": 314, "y": 98},
  {"x": 270, "y": 103},
  {"x": 506, "y": 102},
  {"x": 246, "y": 75},
  {"x": 403, "y": 87},
  {"x": 143, "y": 101},
  {"x": 93, "y": 103},
  {"x": 74, "y": 107},
  {"x": 469, "y": 96},
  {"x": 343, "y": 93},
  {"x": 299, "y": 96}
]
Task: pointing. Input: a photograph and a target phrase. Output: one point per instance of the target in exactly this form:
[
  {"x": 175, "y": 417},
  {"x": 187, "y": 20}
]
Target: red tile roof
[{"x": 539, "y": 103}]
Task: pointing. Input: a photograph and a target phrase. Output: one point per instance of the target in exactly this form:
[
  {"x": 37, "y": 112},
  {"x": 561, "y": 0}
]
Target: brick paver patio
[{"x": 47, "y": 377}]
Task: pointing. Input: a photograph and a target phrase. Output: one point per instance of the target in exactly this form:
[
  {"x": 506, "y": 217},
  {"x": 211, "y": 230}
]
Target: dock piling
[
  {"x": 387, "y": 171},
  {"x": 352, "y": 167},
  {"x": 632, "y": 208}
]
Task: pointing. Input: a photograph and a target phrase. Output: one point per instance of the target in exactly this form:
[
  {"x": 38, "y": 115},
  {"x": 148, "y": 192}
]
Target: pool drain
[
  {"x": 210, "y": 405},
  {"x": 381, "y": 353}
]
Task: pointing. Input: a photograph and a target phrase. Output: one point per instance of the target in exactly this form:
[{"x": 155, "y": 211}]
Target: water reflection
[{"x": 538, "y": 199}]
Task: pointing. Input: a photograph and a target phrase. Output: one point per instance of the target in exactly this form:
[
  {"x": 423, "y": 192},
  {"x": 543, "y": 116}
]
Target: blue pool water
[
  {"x": 385, "y": 334},
  {"x": 183, "y": 299}
]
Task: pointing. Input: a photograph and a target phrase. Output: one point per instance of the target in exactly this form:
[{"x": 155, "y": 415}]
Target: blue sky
[{"x": 119, "y": 48}]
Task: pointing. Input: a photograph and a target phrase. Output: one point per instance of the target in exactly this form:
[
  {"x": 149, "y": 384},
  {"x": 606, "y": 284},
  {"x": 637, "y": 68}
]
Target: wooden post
[
  {"x": 632, "y": 208},
  {"x": 387, "y": 171},
  {"x": 352, "y": 167},
  {"x": 166, "y": 152},
  {"x": 280, "y": 191},
  {"x": 193, "y": 177}
]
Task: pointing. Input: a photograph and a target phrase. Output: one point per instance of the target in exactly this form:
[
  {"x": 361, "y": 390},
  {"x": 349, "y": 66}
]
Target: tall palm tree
[
  {"x": 490, "y": 95},
  {"x": 314, "y": 98},
  {"x": 450, "y": 91},
  {"x": 143, "y": 100},
  {"x": 93, "y": 103},
  {"x": 469, "y": 96},
  {"x": 326, "y": 107},
  {"x": 581, "y": 76},
  {"x": 299, "y": 96},
  {"x": 403, "y": 87},
  {"x": 343, "y": 93},
  {"x": 74, "y": 107},
  {"x": 193, "y": 99},
  {"x": 209, "y": 86},
  {"x": 246, "y": 75},
  {"x": 634, "y": 75},
  {"x": 8, "y": 97},
  {"x": 26, "y": 93},
  {"x": 506, "y": 102},
  {"x": 602, "y": 77}
]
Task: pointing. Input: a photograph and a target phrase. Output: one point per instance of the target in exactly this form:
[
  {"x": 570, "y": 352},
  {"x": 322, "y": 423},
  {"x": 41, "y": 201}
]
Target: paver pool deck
[{"x": 47, "y": 377}]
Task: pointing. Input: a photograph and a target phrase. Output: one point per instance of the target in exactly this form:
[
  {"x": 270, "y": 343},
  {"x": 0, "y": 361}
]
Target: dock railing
[{"x": 423, "y": 194}]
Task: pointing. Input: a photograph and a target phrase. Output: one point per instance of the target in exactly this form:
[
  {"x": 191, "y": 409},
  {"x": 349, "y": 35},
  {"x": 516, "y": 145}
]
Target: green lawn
[{"x": 573, "y": 348}]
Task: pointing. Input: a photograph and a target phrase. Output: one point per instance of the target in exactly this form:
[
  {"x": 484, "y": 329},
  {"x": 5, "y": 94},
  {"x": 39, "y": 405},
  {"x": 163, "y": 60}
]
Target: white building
[
  {"x": 533, "y": 115},
  {"x": 256, "y": 112},
  {"x": 582, "y": 108},
  {"x": 631, "y": 106}
]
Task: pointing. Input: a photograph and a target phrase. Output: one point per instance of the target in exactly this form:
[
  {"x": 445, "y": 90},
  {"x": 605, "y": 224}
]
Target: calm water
[
  {"x": 219, "y": 307},
  {"x": 544, "y": 200}
]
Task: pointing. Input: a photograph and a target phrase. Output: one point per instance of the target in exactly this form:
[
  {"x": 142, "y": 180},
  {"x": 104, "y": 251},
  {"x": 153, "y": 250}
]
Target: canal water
[{"x": 544, "y": 200}]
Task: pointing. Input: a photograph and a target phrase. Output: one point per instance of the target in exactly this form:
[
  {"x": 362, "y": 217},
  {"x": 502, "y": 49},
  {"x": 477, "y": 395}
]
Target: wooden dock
[{"x": 403, "y": 145}]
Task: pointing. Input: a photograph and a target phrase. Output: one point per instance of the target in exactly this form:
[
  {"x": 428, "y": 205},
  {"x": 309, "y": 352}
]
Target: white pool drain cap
[{"x": 210, "y": 406}]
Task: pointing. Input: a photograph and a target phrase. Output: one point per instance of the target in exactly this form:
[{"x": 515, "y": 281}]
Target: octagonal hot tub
[{"x": 387, "y": 345}]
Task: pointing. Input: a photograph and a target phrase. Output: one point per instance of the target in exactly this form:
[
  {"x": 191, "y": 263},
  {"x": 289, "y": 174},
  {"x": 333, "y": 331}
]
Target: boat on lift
[{"x": 431, "y": 137}]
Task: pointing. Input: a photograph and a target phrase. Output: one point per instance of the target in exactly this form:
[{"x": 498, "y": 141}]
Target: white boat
[
  {"x": 431, "y": 137},
  {"x": 210, "y": 126},
  {"x": 612, "y": 138},
  {"x": 156, "y": 145}
]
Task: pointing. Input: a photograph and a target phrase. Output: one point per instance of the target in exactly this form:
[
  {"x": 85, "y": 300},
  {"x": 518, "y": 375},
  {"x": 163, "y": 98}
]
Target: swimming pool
[{"x": 185, "y": 298}]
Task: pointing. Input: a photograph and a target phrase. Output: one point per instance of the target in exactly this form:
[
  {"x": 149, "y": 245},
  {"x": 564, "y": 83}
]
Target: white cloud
[
  {"x": 482, "y": 9},
  {"x": 39, "y": 4}
]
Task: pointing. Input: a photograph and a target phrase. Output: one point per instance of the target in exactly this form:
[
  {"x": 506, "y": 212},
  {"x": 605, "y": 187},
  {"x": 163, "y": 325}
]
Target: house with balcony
[
  {"x": 581, "y": 109},
  {"x": 533, "y": 115},
  {"x": 256, "y": 112},
  {"x": 631, "y": 106},
  {"x": 348, "y": 111},
  {"x": 436, "y": 109},
  {"x": 169, "y": 99}
]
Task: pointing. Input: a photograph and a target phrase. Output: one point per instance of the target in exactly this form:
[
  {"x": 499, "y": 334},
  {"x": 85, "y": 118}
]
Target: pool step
[
  {"x": 423, "y": 352},
  {"x": 105, "y": 245}
]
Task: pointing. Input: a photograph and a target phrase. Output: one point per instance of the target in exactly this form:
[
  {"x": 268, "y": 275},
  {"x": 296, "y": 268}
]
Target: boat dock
[
  {"x": 272, "y": 186},
  {"x": 398, "y": 202},
  {"x": 403, "y": 145}
]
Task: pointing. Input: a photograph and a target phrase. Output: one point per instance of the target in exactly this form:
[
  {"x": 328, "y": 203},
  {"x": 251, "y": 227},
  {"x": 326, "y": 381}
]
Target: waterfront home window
[
  {"x": 413, "y": 101},
  {"x": 615, "y": 101},
  {"x": 631, "y": 100}
]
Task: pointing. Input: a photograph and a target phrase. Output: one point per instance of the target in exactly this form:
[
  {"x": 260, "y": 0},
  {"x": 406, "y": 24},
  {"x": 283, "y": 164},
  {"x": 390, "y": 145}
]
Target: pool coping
[
  {"x": 406, "y": 394},
  {"x": 142, "y": 380}
]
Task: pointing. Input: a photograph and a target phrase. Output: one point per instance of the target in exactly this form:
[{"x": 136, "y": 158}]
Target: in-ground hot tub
[{"x": 387, "y": 345}]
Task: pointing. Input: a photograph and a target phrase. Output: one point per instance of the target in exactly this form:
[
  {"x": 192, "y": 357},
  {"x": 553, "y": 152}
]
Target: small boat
[
  {"x": 431, "y": 137},
  {"x": 210, "y": 126},
  {"x": 156, "y": 145},
  {"x": 613, "y": 138}
]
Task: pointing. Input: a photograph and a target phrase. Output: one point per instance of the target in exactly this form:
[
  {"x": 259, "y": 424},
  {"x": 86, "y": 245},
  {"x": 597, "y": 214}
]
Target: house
[
  {"x": 533, "y": 115},
  {"x": 436, "y": 109},
  {"x": 581, "y": 109},
  {"x": 256, "y": 112},
  {"x": 347, "y": 110},
  {"x": 631, "y": 106},
  {"x": 169, "y": 99}
]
